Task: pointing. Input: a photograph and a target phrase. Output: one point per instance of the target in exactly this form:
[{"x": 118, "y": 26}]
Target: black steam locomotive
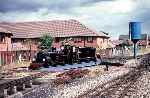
[{"x": 66, "y": 55}]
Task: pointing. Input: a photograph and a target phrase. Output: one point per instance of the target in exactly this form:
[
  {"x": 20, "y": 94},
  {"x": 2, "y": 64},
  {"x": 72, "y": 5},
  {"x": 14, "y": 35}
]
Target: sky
[{"x": 111, "y": 16}]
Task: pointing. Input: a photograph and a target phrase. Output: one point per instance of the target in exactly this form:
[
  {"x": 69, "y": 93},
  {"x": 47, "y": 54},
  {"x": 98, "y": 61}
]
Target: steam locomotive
[{"x": 66, "y": 55}]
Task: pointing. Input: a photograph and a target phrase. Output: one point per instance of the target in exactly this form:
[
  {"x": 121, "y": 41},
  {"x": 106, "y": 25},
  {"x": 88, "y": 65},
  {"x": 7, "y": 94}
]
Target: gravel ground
[
  {"x": 136, "y": 85},
  {"x": 85, "y": 87},
  {"x": 79, "y": 86},
  {"x": 87, "y": 84},
  {"x": 143, "y": 86}
]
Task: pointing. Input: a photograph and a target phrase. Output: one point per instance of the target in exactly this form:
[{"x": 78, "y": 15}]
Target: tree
[{"x": 46, "y": 41}]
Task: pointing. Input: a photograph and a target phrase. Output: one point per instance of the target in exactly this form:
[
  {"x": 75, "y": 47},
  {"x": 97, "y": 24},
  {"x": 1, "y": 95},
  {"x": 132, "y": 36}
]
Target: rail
[{"x": 120, "y": 84}]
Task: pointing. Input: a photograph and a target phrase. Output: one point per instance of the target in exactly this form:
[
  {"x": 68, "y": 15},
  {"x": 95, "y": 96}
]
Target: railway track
[
  {"x": 117, "y": 88},
  {"x": 120, "y": 87}
]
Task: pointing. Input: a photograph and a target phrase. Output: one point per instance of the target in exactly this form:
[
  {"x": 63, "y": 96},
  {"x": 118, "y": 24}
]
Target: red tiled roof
[
  {"x": 116, "y": 42},
  {"x": 56, "y": 28},
  {"x": 142, "y": 43},
  {"x": 2, "y": 30}
]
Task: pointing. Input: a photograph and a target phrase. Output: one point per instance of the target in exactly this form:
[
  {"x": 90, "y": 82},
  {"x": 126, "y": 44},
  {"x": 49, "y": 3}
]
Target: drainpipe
[
  {"x": 7, "y": 51},
  {"x": 147, "y": 41},
  {"x": 30, "y": 50},
  {"x": 84, "y": 41}
]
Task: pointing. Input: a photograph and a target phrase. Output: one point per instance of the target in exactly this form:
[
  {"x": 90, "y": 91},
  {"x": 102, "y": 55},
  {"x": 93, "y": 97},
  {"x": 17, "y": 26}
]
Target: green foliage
[{"x": 46, "y": 41}]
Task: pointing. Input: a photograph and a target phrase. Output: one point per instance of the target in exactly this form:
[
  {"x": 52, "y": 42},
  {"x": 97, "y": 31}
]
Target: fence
[
  {"x": 8, "y": 57},
  {"x": 112, "y": 52}
]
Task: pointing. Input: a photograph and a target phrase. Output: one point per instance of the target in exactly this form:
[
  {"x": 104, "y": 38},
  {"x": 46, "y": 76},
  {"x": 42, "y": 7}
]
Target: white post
[
  {"x": 5, "y": 93},
  {"x": 23, "y": 86},
  {"x": 15, "y": 89}
]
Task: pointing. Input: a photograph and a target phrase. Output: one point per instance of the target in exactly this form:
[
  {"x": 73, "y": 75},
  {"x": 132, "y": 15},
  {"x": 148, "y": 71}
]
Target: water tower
[{"x": 135, "y": 33}]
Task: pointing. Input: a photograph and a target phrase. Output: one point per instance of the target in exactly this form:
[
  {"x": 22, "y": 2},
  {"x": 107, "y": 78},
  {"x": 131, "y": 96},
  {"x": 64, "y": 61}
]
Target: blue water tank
[{"x": 135, "y": 31}]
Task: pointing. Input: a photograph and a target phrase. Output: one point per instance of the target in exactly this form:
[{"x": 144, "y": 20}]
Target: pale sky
[{"x": 110, "y": 16}]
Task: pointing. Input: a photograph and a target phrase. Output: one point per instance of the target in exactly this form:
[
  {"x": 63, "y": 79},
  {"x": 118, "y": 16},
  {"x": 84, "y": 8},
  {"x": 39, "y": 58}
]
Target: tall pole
[{"x": 135, "y": 50}]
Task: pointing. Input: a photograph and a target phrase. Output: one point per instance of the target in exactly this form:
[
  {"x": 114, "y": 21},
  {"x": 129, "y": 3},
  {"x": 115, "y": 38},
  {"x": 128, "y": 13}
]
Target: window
[
  {"x": 77, "y": 39},
  {"x": 2, "y": 38},
  {"x": 56, "y": 39},
  {"x": 90, "y": 39}
]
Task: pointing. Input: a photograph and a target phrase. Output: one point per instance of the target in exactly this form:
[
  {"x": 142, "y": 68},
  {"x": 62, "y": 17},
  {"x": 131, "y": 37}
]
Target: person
[
  {"x": 74, "y": 49},
  {"x": 20, "y": 58}
]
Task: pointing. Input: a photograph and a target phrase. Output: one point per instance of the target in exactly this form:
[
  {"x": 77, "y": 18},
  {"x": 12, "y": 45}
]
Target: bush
[{"x": 46, "y": 42}]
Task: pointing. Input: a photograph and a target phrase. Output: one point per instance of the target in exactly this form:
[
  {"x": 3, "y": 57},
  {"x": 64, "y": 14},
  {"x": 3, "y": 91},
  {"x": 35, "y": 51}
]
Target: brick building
[
  {"x": 144, "y": 42},
  {"x": 26, "y": 34},
  {"x": 5, "y": 40},
  {"x": 5, "y": 47}
]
